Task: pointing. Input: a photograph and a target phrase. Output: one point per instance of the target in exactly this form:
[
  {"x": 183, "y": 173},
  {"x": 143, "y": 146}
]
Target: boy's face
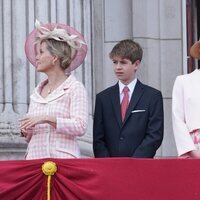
[{"x": 124, "y": 69}]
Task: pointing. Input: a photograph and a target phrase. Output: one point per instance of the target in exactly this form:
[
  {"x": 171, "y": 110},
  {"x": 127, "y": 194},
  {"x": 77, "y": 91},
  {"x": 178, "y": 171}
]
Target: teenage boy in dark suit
[{"x": 133, "y": 129}]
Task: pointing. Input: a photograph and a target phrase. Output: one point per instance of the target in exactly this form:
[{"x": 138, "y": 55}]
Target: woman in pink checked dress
[{"x": 58, "y": 110}]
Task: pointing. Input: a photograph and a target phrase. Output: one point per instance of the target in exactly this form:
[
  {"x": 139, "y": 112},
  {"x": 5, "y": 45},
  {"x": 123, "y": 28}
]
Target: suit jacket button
[{"x": 121, "y": 138}]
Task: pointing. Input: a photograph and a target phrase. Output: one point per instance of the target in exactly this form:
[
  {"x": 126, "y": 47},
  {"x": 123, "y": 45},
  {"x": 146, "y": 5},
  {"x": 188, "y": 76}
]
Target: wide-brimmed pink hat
[
  {"x": 195, "y": 50},
  {"x": 60, "y": 32}
]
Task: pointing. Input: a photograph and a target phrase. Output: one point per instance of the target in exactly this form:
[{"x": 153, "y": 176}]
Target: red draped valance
[{"x": 102, "y": 179}]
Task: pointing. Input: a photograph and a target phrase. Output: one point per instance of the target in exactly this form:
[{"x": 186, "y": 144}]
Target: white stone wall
[
  {"x": 161, "y": 36},
  {"x": 155, "y": 24},
  {"x": 18, "y": 78}
]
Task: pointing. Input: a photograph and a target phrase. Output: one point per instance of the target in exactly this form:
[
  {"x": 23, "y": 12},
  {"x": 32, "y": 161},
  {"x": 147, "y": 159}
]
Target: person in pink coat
[
  {"x": 58, "y": 111},
  {"x": 186, "y": 110}
]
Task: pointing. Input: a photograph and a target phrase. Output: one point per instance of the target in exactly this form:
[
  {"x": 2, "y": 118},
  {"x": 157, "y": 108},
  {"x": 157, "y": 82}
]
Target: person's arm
[
  {"x": 154, "y": 129},
  {"x": 75, "y": 125},
  {"x": 29, "y": 121},
  {"x": 182, "y": 137},
  {"x": 24, "y": 130},
  {"x": 99, "y": 146}
]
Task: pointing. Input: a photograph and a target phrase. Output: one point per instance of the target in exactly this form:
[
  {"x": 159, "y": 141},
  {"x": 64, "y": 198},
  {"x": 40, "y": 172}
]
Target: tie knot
[{"x": 125, "y": 90}]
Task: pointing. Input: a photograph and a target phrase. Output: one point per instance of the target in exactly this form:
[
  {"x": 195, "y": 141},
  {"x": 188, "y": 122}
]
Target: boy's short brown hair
[{"x": 127, "y": 49}]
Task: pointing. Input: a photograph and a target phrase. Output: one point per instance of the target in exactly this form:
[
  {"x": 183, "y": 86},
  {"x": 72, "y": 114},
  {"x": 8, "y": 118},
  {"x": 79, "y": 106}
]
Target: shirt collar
[{"x": 130, "y": 86}]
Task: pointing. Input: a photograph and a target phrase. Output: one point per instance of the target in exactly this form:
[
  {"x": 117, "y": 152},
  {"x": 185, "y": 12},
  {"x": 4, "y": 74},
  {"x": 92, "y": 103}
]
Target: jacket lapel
[
  {"x": 56, "y": 95},
  {"x": 36, "y": 97},
  {"x": 60, "y": 91},
  {"x": 116, "y": 103}
]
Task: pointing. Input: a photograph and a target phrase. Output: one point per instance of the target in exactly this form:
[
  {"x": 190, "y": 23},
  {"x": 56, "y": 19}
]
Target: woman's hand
[
  {"x": 27, "y": 133},
  {"x": 30, "y": 121},
  {"x": 191, "y": 154},
  {"x": 194, "y": 154},
  {"x": 186, "y": 155}
]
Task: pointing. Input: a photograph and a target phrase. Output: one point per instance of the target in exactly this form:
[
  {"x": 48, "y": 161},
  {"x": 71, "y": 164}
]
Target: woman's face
[{"x": 44, "y": 59}]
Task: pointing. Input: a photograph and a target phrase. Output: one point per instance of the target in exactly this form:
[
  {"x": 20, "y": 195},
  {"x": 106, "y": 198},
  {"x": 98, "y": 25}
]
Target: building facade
[{"x": 160, "y": 26}]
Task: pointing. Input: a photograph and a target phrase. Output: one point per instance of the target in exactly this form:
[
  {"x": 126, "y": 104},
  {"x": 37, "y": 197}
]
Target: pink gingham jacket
[{"x": 69, "y": 104}]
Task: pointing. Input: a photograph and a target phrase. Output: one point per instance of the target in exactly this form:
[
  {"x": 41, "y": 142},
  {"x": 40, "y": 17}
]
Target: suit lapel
[
  {"x": 116, "y": 103},
  {"x": 60, "y": 91},
  {"x": 137, "y": 93}
]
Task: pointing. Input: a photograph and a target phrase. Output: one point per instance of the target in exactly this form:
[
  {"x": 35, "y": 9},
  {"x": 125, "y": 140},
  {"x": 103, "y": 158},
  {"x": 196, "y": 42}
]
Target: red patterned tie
[{"x": 125, "y": 101}]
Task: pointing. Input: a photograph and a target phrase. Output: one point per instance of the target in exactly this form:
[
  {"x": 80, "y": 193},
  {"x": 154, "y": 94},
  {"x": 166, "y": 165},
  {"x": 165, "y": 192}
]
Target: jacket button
[{"x": 121, "y": 138}]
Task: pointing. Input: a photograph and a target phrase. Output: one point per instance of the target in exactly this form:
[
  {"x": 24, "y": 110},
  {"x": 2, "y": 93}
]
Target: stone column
[
  {"x": 18, "y": 78},
  {"x": 157, "y": 27}
]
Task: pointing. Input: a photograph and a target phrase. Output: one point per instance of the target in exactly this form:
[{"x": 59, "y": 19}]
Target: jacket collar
[
  {"x": 137, "y": 93},
  {"x": 55, "y": 94}
]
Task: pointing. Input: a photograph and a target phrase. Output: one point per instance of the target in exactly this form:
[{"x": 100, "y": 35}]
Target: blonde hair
[
  {"x": 59, "y": 43},
  {"x": 60, "y": 49}
]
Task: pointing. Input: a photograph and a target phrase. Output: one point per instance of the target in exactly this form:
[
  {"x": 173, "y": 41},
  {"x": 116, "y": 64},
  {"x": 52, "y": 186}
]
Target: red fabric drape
[{"x": 102, "y": 179}]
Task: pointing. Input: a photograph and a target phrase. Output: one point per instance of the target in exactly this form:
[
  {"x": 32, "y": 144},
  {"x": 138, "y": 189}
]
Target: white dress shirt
[{"x": 131, "y": 87}]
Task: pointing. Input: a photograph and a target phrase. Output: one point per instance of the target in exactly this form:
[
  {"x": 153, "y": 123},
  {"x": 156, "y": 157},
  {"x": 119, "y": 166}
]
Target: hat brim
[
  {"x": 77, "y": 59},
  {"x": 195, "y": 50}
]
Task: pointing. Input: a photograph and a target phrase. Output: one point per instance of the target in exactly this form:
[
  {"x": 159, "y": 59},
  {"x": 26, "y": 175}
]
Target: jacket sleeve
[
  {"x": 99, "y": 146},
  {"x": 76, "y": 125},
  {"x": 182, "y": 137},
  {"x": 154, "y": 130}
]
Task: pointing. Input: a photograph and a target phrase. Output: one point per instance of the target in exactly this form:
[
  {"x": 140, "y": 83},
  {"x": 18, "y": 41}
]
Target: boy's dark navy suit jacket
[{"x": 141, "y": 133}]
